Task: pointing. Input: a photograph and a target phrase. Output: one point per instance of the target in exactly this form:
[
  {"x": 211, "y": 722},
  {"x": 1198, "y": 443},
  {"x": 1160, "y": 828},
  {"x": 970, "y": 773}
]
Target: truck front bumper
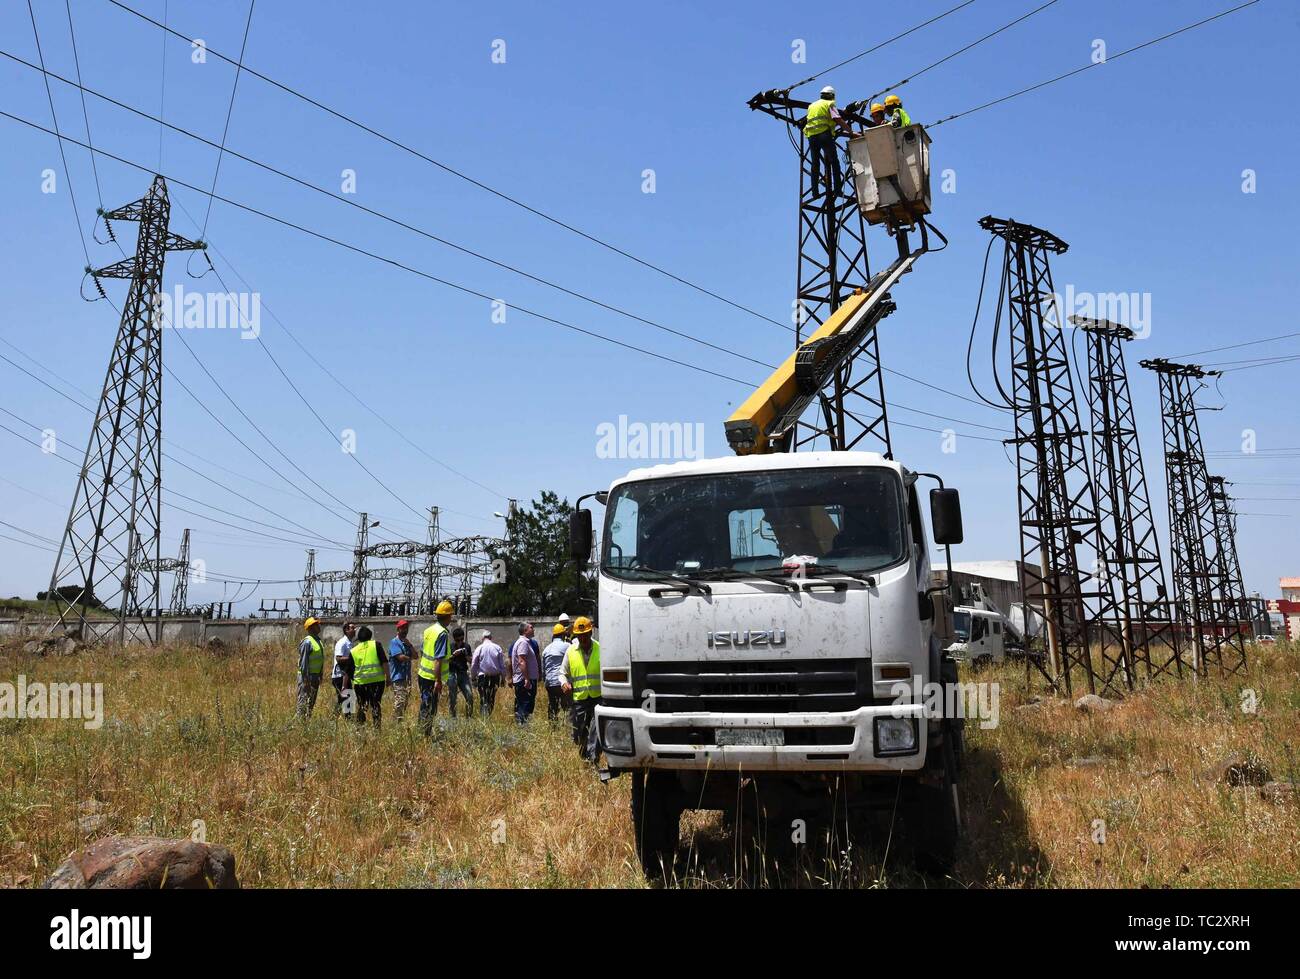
[{"x": 836, "y": 742}]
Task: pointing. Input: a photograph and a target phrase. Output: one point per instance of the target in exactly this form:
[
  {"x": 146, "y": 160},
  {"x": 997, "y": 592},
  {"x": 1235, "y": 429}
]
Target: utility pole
[
  {"x": 181, "y": 583},
  {"x": 307, "y": 604},
  {"x": 432, "y": 582},
  {"x": 357, "y": 595},
  {"x": 832, "y": 264},
  {"x": 1201, "y": 596},
  {"x": 1130, "y": 558},
  {"x": 1229, "y": 565},
  {"x": 115, "y": 519},
  {"x": 1058, "y": 515}
]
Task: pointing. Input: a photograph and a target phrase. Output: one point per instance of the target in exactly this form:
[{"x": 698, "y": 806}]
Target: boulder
[
  {"x": 53, "y": 646},
  {"x": 1090, "y": 703},
  {"x": 1237, "y": 769},
  {"x": 146, "y": 863}
]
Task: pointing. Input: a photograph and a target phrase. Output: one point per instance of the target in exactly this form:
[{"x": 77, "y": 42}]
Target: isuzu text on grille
[{"x": 749, "y": 637}]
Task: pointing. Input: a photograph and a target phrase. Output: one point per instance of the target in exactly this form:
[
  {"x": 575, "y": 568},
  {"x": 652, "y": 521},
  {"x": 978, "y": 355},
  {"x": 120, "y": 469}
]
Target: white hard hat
[
  {"x": 487, "y": 633},
  {"x": 828, "y": 92},
  {"x": 564, "y": 617}
]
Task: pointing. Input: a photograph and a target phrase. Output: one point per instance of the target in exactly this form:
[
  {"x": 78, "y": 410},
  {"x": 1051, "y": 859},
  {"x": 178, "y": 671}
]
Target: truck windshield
[
  {"x": 851, "y": 519},
  {"x": 961, "y": 625}
]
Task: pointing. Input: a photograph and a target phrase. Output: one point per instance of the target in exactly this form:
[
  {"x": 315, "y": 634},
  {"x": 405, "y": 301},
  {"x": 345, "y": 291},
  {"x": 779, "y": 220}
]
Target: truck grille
[{"x": 765, "y": 687}]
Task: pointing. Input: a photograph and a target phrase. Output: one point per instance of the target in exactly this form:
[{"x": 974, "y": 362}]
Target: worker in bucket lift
[
  {"x": 898, "y": 116},
  {"x": 819, "y": 127},
  {"x": 877, "y": 115}
]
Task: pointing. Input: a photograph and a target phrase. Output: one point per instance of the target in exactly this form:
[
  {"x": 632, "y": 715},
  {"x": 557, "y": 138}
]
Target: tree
[{"x": 539, "y": 575}]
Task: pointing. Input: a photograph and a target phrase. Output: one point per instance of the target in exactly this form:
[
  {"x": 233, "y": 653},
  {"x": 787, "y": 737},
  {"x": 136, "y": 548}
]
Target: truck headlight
[
  {"x": 617, "y": 736},
  {"x": 895, "y": 736}
]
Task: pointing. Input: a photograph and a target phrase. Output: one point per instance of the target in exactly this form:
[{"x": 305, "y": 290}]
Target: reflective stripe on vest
[
  {"x": 819, "y": 118},
  {"x": 585, "y": 677},
  {"x": 367, "y": 668},
  {"x": 315, "y": 658},
  {"x": 430, "y": 668}
]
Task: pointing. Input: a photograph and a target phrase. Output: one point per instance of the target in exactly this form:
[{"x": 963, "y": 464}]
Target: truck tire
[
  {"x": 936, "y": 819},
  {"x": 656, "y": 821}
]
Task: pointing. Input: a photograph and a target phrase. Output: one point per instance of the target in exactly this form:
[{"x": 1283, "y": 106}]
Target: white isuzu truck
[{"x": 756, "y": 615}]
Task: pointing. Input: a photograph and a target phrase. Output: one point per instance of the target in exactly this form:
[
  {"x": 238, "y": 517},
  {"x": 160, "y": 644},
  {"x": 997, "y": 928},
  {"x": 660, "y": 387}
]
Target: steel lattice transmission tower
[
  {"x": 357, "y": 594},
  {"x": 832, "y": 257},
  {"x": 1130, "y": 546},
  {"x": 108, "y": 558},
  {"x": 1225, "y": 544},
  {"x": 1057, "y": 513},
  {"x": 1204, "y": 601},
  {"x": 307, "y": 603}
]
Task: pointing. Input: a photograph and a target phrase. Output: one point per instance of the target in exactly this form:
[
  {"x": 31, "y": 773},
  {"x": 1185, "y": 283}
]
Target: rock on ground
[
  {"x": 146, "y": 863},
  {"x": 1090, "y": 703}
]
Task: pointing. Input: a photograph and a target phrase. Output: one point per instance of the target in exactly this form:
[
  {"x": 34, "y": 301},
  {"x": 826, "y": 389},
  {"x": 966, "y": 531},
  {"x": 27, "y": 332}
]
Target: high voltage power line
[{"x": 423, "y": 274}]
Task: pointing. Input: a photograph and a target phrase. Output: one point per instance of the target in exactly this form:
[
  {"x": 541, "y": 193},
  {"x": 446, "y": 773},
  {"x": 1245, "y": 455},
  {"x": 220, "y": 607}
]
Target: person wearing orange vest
[{"x": 580, "y": 676}]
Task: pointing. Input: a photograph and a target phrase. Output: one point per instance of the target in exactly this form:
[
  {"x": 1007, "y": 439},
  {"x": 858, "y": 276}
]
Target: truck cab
[
  {"x": 767, "y": 621},
  {"x": 979, "y": 636}
]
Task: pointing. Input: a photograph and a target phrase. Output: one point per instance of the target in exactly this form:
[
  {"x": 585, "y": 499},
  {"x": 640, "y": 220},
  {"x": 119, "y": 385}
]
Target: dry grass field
[{"x": 191, "y": 735}]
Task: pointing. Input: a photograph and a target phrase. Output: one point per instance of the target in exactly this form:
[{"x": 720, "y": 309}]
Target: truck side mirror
[
  {"x": 580, "y": 536},
  {"x": 945, "y": 516}
]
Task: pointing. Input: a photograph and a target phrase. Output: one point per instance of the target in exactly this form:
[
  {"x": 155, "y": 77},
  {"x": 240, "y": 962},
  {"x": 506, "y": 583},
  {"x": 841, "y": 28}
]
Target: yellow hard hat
[
  {"x": 877, "y": 107},
  {"x": 445, "y": 608},
  {"x": 893, "y": 100},
  {"x": 582, "y": 626},
  {"x": 311, "y": 621},
  {"x": 558, "y": 630}
]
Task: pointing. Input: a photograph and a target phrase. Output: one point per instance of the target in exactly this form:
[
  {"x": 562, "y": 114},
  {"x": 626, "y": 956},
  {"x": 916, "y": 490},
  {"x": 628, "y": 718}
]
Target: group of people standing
[{"x": 569, "y": 668}]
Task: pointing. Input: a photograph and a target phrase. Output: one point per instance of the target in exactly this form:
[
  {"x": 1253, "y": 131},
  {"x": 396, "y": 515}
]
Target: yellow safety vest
[
  {"x": 366, "y": 665},
  {"x": 430, "y": 667},
  {"x": 315, "y": 658},
  {"x": 819, "y": 118},
  {"x": 901, "y": 118},
  {"x": 585, "y": 677}
]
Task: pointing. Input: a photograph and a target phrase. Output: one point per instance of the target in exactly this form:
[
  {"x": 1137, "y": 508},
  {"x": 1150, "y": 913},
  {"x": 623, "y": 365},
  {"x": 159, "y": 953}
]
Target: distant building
[{"x": 1288, "y": 607}]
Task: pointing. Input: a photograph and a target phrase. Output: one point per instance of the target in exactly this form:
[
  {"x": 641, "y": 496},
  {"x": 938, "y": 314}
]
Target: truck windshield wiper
[
  {"x": 814, "y": 570},
  {"x": 670, "y": 578},
  {"x": 775, "y": 576},
  {"x": 817, "y": 570}
]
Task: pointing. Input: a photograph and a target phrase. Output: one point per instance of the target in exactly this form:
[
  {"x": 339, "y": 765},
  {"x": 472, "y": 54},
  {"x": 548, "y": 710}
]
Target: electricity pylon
[
  {"x": 1130, "y": 559},
  {"x": 108, "y": 557},
  {"x": 1058, "y": 514}
]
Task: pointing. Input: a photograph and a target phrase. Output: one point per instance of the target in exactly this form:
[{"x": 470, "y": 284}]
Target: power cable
[
  {"x": 453, "y": 171},
  {"x": 1091, "y": 64},
  {"x": 67, "y": 174},
  {"x": 230, "y": 108},
  {"x": 870, "y": 50},
  {"x": 917, "y": 74}
]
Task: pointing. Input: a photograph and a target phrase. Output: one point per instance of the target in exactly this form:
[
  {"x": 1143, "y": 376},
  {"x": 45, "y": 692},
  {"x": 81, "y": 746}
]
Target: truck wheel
[
  {"x": 937, "y": 818},
  {"x": 656, "y": 821}
]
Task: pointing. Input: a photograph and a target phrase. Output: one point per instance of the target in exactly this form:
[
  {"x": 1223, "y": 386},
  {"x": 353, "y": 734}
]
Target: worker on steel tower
[
  {"x": 898, "y": 116},
  {"x": 820, "y": 129}
]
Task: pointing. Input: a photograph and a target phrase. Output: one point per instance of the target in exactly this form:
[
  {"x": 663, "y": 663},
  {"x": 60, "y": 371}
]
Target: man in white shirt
[{"x": 342, "y": 662}]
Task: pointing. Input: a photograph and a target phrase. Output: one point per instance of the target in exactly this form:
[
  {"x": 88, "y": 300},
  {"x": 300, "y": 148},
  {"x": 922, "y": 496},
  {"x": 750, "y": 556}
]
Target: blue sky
[{"x": 1137, "y": 164}]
